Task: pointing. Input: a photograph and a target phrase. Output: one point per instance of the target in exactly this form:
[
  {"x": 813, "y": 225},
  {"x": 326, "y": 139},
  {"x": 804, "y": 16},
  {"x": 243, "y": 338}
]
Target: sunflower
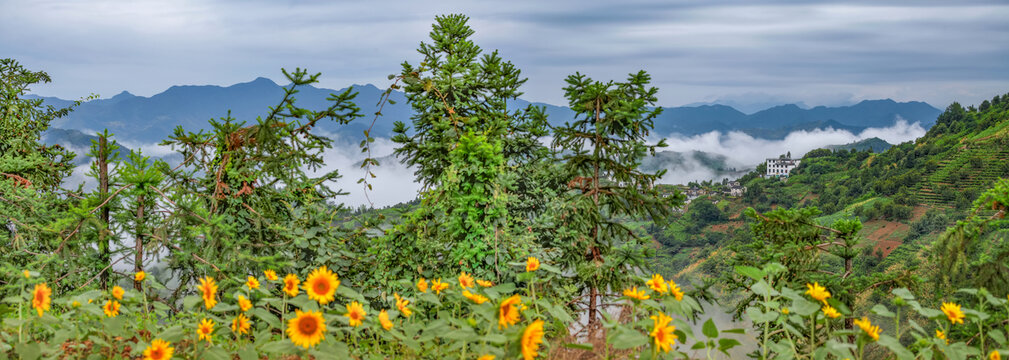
[
  {"x": 355, "y": 314},
  {"x": 27, "y": 274},
  {"x": 208, "y": 290},
  {"x": 477, "y": 298},
  {"x": 532, "y": 337},
  {"x": 321, "y": 285},
  {"x": 307, "y": 329},
  {"x": 953, "y": 312},
  {"x": 657, "y": 284},
  {"x": 636, "y": 294},
  {"x": 139, "y": 276},
  {"x": 484, "y": 283},
  {"x": 117, "y": 292},
  {"x": 206, "y": 329},
  {"x": 465, "y": 280},
  {"x": 785, "y": 311},
  {"x": 383, "y": 318},
  {"x": 508, "y": 312},
  {"x": 402, "y": 304},
  {"x": 270, "y": 275},
  {"x": 291, "y": 285},
  {"x": 252, "y": 283},
  {"x": 41, "y": 298},
  {"x": 994, "y": 355},
  {"x": 941, "y": 335},
  {"x": 675, "y": 290},
  {"x": 532, "y": 264},
  {"x": 75, "y": 304},
  {"x": 438, "y": 286},
  {"x": 487, "y": 357},
  {"x": 111, "y": 308},
  {"x": 662, "y": 332},
  {"x": 817, "y": 292},
  {"x": 869, "y": 329},
  {"x": 241, "y": 324},
  {"x": 422, "y": 285},
  {"x": 244, "y": 303},
  {"x": 830, "y": 312},
  {"x": 159, "y": 350}
]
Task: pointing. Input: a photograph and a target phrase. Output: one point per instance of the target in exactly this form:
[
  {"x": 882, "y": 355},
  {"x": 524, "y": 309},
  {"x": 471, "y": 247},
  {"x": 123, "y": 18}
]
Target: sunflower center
[
  {"x": 157, "y": 354},
  {"x": 308, "y": 326},
  {"x": 39, "y": 297},
  {"x": 355, "y": 315},
  {"x": 320, "y": 286}
]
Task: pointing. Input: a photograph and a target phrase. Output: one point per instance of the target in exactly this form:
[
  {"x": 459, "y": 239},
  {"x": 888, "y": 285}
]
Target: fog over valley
[{"x": 709, "y": 156}]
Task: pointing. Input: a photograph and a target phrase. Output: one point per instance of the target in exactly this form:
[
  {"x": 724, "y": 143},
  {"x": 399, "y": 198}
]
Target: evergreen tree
[
  {"x": 32, "y": 205},
  {"x": 245, "y": 191},
  {"x": 472, "y": 154},
  {"x": 603, "y": 149}
]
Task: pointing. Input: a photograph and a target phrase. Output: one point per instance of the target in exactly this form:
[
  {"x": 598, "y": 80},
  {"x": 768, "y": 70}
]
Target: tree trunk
[
  {"x": 138, "y": 261},
  {"x": 103, "y": 191},
  {"x": 593, "y": 312},
  {"x": 849, "y": 323}
]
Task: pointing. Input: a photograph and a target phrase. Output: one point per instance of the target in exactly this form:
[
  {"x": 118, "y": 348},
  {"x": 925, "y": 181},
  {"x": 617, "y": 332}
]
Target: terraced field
[{"x": 978, "y": 162}]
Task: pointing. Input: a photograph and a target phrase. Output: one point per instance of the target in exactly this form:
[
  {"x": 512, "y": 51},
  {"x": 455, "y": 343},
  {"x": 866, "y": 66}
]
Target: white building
[{"x": 780, "y": 167}]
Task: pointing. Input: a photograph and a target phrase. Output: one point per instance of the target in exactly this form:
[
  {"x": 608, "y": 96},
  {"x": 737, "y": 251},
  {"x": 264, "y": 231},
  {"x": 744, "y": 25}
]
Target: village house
[
  {"x": 780, "y": 167},
  {"x": 735, "y": 189}
]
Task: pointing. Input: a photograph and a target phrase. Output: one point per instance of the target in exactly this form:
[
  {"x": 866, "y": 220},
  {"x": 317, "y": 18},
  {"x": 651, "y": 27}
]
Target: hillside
[
  {"x": 875, "y": 144},
  {"x": 905, "y": 195},
  {"x": 78, "y": 142}
]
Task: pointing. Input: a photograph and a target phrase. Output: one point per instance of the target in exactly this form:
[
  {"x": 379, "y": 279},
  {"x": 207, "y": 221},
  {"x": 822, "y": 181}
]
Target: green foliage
[
  {"x": 976, "y": 249},
  {"x": 244, "y": 191},
  {"x": 793, "y": 325},
  {"x": 249, "y": 197},
  {"x": 602, "y": 149},
  {"x": 35, "y": 224},
  {"x": 486, "y": 174}
]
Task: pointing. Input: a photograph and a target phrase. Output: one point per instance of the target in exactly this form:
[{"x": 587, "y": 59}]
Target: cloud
[
  {"x": 692, "y": 169},
  {"x": 393, "y": 182},
  {"x": 928, "y": 51},
  {"x": 750, "y": 151}
]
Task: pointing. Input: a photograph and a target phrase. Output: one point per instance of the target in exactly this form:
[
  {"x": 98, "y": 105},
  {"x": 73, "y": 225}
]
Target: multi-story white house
[{"x": 780, "y": 167}]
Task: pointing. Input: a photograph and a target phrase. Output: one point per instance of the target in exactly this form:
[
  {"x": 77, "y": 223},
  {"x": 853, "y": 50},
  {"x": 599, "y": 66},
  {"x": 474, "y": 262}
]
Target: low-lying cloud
[
  {"x": 749, "y": 151},
  {"x": 692, "y": 169},
  {"x": 395, "y": 183}
]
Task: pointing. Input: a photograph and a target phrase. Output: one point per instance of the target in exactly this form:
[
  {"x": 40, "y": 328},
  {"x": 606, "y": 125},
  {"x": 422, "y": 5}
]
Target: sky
[{"x": 744, "y": 53}]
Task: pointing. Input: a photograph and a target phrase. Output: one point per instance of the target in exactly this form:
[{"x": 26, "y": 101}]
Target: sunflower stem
[
  {"x": 20, "y": 322},
  {"x": 283, "y": 311},
  {"x": 812, "y": 331}
]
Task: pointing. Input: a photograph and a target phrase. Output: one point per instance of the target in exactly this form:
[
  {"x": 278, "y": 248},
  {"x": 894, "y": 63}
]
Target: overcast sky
[{"x": 827, "y": 53}]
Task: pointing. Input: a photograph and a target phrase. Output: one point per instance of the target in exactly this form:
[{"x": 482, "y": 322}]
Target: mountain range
[{"x": 152, "y": 119}]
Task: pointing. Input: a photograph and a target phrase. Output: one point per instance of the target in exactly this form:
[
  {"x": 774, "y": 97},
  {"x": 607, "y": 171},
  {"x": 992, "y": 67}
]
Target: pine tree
[
  {"x": 603, "y": 149},
  {"x": 31, "y": 172},
  {"x": 472, "y": 153}
]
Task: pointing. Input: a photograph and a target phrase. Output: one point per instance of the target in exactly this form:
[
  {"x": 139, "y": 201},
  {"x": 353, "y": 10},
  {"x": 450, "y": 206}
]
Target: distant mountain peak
[
  {"x": 877, "y": 101},
  {"x": 259, "y": 81},
  {"x": 123, "y": 95}
]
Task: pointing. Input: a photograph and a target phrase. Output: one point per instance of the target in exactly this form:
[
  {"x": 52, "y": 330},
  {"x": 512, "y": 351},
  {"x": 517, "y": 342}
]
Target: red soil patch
[
  {"x": 882, "y": 238},
  {"x": 918, "y": 211}
]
